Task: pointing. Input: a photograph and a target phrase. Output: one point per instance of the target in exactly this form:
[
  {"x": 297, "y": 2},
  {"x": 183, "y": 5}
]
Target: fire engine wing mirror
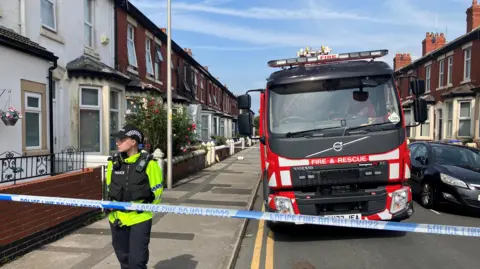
[
  {"x": 245, "y": 124},
  {"x": 417, "y": 86},
  {"x": 420, "y": 110},
  {"x": 244, "y": 101}
]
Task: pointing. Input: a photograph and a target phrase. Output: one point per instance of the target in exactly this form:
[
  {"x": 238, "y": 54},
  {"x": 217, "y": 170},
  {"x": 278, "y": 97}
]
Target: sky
[{"x": 236, "y": 38}]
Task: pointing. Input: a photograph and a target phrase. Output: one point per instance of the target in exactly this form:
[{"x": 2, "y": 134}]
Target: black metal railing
[{"x": 15, "y": 166}]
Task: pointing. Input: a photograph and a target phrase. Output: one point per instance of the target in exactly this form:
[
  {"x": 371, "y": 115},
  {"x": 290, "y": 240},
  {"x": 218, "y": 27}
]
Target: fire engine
[{"x": 333, "y": 137}]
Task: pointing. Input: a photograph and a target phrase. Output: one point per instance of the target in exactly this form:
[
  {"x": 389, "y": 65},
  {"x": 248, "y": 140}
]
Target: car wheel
[{"x": 427, "y": 195}]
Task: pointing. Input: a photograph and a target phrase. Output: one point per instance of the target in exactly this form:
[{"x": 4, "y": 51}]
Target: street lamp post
[{"x": 169, "y": 96}]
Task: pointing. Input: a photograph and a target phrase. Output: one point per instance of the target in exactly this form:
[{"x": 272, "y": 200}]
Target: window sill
[
  {"x": 52, "y": 35},
  {"x": 131, "y": 70},
  {"x": 91, "y": 52},
  {"x": 36, "y": 152},
  {"x": 466, "y": 81}
]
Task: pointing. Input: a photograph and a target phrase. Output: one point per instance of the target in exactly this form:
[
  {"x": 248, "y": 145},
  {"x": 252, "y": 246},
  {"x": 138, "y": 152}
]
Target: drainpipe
[
  {"x": 50, "y": 114},
  {"x": 115, "y": 27}
]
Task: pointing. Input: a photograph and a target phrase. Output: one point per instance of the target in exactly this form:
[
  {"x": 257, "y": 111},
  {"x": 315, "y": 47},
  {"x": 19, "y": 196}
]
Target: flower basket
[
  {"x": 11, "y": 116},
  {"x": 9, "y": 121}
]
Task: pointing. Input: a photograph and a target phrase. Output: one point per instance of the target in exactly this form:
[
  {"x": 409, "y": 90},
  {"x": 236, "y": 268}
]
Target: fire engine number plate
[{"x": 348, "y": 216}]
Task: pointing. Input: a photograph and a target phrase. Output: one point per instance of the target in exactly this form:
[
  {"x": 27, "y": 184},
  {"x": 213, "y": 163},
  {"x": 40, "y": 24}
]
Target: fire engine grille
[{"x": 315, "y": 176}]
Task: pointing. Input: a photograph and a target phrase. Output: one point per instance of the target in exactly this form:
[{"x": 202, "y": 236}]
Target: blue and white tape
[{"x": 244, "y": 214}]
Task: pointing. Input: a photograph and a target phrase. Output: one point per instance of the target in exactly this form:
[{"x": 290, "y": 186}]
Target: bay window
[
  {"x": 33, "y": 121},
  {"x": 464, "y": 119},
  {"x": 90, "y": 116}
]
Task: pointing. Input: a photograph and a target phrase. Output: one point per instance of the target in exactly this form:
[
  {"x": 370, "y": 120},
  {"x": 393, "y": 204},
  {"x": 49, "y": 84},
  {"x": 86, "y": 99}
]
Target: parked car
[{"x": 445, "y": 173}]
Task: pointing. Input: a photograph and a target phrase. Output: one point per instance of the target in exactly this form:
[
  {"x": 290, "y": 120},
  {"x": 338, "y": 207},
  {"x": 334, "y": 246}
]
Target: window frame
[
  {"x": 132, "y": 40},
  {"x": 54, "y": 13},
  {"x": 428, "y": 78},
  {"x": 441, "y": 73},
  {"x": 466, "y": 51},
  {"x": 449, "y": 70},
  {"x": 449, "y": 108},
  {"x": 469, "y": 118},
  {"x": 115, "y": 110},
  {"x": 90, "y": 24},
  {"x": 37, "y": 110},
  {"x": 158, "y": 61},
  {"x": 148, "y": 56},
  {"x": 91, "y": 107}
]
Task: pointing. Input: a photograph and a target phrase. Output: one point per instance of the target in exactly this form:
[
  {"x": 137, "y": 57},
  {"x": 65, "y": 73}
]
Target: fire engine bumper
[{"x": 380, "y": 204}]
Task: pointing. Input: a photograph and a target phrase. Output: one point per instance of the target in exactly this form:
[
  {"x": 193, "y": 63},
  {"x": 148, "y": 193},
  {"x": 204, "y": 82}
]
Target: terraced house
[
  {"x": 141, "y": 54},
  {"x": 451, "y": 71}
]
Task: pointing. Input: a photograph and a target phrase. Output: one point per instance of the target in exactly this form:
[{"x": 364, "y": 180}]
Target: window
[
  {"x": 90, "y": 128},
  {"x": 420, "y": 152},
  {"x": 425, "y": 128},
  {"x": 48, "y": 14},
  {"x": 204, "y": 127},
  {"x": 449, "y": 119},
  {"x": 33, "y": 120},
  {"x": 202, "y": 79},
  {"x": 214, "y": 126},
  {"x": 148, "y": 56},
  {"x": 427, "y": 78},
  {"x": 132, "y": 55},
  {"x": 158, "y": 61},
  {"x": 222, "y": 127},
  {"x": 464, "y": 120},
  {"x": 450, "y": 70},
  {"x": 467, "y": 63},
  {"x": 441, "y": 73},
  {"x": 114, "y": 117},
  {"x": 408, "y": 120},
  {"x": 88, "y": 23}
]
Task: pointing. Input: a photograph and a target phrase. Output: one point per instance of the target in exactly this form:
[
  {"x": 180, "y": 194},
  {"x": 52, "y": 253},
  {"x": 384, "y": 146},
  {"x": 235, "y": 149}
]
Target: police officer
[{"x": 132, "y": 176}]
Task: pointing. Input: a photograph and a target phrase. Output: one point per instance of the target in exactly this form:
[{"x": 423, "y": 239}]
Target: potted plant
[{"x": 10, "y": 116}]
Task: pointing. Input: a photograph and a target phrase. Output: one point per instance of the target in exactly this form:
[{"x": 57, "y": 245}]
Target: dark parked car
[{"x": 445, "y": 173}]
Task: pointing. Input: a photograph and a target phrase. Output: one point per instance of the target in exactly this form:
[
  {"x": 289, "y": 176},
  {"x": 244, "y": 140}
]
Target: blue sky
[{"x": 236, "y": 38}]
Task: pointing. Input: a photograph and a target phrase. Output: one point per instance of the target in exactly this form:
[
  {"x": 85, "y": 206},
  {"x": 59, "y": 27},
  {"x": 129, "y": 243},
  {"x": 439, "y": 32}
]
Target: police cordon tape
[{"x": 245, "y": 214}]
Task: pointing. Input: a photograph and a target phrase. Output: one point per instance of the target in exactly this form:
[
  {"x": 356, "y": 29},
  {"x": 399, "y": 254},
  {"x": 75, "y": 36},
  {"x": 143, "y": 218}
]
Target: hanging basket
[{"x": 9, "y": 122}]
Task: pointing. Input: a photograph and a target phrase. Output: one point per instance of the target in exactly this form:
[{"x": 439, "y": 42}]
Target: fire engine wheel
[{"x": 427, "y": 195}]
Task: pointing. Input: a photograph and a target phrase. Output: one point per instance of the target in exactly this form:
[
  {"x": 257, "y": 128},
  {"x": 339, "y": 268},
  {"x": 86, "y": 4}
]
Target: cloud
[{"x": 261, "y": 13}]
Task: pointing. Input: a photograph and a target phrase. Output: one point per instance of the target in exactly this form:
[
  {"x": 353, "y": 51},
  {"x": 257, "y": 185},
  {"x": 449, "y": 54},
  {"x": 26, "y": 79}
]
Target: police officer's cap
[{"x": 131, "y": 132}]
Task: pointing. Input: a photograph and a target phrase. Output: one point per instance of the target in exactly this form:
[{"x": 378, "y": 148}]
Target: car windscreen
[
  {"x": 347, "y": 102},
  {"x": 456, "y": 156}
]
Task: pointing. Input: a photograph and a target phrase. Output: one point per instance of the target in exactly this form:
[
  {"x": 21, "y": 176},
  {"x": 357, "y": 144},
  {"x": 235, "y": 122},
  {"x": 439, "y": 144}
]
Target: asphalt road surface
[{"x": 322, "y": 247}]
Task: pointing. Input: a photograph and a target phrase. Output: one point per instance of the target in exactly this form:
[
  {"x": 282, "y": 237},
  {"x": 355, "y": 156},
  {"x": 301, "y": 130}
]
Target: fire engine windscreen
[{"x": 342, "y": 103}]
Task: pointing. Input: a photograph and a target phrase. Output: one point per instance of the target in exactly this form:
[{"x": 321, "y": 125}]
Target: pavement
[
  {"x": 315, "y": 247},
  {"x": 178, "y": 241}
]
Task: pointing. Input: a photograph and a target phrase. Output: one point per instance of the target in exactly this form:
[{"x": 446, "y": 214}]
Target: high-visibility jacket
[{"x": 155, "y": 178}]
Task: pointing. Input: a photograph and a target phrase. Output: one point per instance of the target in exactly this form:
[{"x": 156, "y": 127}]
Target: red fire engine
[{"x": 333, "y": 136}]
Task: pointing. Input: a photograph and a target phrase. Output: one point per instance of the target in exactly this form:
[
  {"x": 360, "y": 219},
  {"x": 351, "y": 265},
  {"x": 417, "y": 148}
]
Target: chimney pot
[{"x": 164, "y": 30}]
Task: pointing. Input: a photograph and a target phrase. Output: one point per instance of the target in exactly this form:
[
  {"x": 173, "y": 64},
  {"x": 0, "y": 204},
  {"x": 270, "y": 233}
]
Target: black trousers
[{"x": 131, "y": 244}]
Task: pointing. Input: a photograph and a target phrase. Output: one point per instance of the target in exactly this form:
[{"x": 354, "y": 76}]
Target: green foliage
[
  {"x": 183, "y": 131},
  {"x": 220, "y": 140},
  {"x": 150, "y": 115}
]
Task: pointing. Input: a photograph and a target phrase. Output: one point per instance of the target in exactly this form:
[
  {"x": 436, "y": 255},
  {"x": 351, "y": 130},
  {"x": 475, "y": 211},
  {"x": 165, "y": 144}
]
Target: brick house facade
[
  {"x": 451, "y": 71},
  {"x": 141, "y": 53}
]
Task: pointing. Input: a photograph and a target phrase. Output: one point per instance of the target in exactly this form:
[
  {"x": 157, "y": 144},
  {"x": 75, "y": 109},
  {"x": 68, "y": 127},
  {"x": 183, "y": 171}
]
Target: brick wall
[
  {"x": 27, "y": 225},
  {"x": 222, "y": 153},
  {"x": 187, "y": 167}
]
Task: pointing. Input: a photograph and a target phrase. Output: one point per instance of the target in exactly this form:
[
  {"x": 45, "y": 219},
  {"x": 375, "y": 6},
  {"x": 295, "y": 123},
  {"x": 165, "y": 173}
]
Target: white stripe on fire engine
[
  {"x": 407, "y": 172},
  {"x": 392, "y": 155},
  {"x": 285, "y": 178},
  {"x": 394, "y": 171},
  {"x": 272, "y": 182}
]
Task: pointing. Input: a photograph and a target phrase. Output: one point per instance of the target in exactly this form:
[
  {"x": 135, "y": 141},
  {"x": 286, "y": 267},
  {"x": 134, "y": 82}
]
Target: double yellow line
[{"x": 257, "y": 249}]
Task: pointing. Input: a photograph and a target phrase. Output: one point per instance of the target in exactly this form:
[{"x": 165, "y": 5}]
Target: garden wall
[{"x": 25, "y": 226}]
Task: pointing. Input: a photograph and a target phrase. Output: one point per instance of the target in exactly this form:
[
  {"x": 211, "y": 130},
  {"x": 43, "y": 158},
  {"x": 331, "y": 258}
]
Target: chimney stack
[
  {"x": 401, "y": 60},
  {"x": 432, "y": 42},
  {"x": 473, "y": 16},
  {"x": 190, "y": 52},
  {"x": 206, "y": 67}
]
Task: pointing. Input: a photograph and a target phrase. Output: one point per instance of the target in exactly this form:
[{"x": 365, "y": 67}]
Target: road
[{"x": 315, "y": 247}]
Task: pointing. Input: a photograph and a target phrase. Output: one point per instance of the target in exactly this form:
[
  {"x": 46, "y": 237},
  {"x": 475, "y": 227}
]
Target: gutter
[{"x": 50, "y": 115}]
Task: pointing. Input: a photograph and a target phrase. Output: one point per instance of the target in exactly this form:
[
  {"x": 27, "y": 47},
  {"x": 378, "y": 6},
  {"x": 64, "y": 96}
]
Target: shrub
[{"x": 150, "y": 115}]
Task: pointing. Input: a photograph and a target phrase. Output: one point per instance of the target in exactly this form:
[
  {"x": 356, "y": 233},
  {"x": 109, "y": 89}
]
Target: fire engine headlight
[
  {"x": 284, "y": 205},
  {"x": 399, "y": 201}
]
